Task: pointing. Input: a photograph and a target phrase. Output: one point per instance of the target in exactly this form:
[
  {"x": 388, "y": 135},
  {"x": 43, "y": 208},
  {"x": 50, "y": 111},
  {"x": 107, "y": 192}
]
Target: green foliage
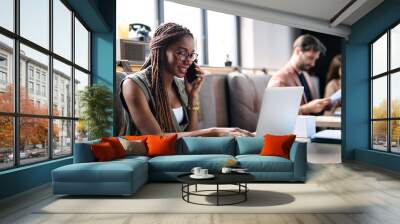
[{"x": 96, "y": 102}]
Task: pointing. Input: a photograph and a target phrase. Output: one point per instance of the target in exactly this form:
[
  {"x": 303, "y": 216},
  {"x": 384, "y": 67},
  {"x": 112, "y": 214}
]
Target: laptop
[{"x": 279, "y": 110}]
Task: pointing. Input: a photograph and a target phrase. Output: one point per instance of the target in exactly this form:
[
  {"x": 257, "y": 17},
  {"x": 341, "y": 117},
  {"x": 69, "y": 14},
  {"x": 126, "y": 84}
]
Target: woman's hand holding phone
[{"x": 193, "y": 88}]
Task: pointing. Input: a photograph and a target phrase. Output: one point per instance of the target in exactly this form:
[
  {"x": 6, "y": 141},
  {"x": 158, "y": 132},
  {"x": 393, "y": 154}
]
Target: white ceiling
[
  {"x": 315, "y": 15},
  {"x": 320, "y": 9}
]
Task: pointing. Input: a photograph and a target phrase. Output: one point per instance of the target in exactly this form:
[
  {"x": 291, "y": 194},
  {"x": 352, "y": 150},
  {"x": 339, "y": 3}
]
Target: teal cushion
[
  {"x": 133, "y": 157},
  {"x": 257, "y": 163},
  {"x": 111, "y": 171},
  {"x": 207, "y": 145},
  {"x": 249, "y": 145},
  {"x": 185, "y": 163}
]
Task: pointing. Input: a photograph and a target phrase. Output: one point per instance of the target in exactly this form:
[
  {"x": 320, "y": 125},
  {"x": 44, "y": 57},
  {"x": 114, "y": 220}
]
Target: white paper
[
  {"x": 336, "y": 96},
  {"x": 329, "y": 134}
]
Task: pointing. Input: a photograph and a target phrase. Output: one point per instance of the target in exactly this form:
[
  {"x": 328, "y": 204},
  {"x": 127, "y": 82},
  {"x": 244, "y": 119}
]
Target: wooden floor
[{"x": 377, "y": 188}]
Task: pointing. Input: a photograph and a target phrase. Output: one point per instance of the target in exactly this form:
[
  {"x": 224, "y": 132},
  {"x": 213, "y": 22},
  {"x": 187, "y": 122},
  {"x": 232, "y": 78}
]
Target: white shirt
[{"x": 178, "y": 112}]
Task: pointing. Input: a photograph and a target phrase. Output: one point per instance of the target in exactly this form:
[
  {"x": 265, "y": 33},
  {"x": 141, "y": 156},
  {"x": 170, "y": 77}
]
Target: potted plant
[{"x": 96, "y": 103}]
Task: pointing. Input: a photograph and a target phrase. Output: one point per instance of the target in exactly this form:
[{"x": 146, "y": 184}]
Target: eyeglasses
[{"x": 184, "y": 55}]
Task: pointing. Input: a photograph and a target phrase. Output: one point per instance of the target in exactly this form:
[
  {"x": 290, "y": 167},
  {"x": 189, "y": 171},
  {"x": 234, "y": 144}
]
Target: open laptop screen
[{"x": 279, "y": 109}]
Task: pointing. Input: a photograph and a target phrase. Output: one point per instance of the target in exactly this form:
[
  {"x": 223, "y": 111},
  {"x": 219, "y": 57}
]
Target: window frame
[
  {"x": 16, "y": 115},
  {"x": 388, "y": 74},
  {"x": 160, "y": 10}
]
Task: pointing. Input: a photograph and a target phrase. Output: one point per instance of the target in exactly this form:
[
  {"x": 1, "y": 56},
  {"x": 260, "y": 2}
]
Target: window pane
[
  {"x": 33, "y": 140},
  {"x": 125, "y": 16},
  {"x": 62, "y": 29},
  {"x": 379, "y": 98},
  {"x": 81, "y": 131},
  {"x": 189, "y": 17},
  {"x": 7, "y": 14},
  {"x": 81, "y": 81},
  {"x": 62, "y": 89},
  {"x": 221, "y": 38},
  {"x": 62, "y": 141},
  {"x": 6, "y": 142},
  {"x": 395, "y": 47},
  {"x": 379, "y": 135},
  {"x": 6, "y": 74},
  {"x": 35, "y": 21},
  {"x": 34, "y": 72},
  {"x": 81, "y": 45},
  {"x": 395, "y": 94},
  {"x": 379, "y": 56},
  {"x": 395, "y": 136}
]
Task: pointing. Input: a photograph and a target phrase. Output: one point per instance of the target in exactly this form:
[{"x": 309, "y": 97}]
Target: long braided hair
[{"x": 165, "y": 35}]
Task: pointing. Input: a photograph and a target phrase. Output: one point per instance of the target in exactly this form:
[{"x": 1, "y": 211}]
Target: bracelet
[{"x": 193, "y": 108}]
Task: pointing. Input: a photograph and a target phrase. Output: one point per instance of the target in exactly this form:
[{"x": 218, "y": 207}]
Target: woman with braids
[{"x": 155, "y": 99}]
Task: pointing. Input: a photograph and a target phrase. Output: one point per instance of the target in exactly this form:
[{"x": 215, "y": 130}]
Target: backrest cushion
[
  {"x": 275, "y": 145},
  {"x": 245, "y": 98},
  {"x": 207, "y": 145},
  {"x": 161, "y": 145},
  {"x": 213, "y": 102},
  {"x": 249, "y": 145},
  {"x": 104, "y": 152},
  {"x": 116, "y": 145}
]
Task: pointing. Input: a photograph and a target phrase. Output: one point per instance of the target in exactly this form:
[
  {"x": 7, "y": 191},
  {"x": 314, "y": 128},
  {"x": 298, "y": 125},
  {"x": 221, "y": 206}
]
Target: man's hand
[{"x": 315, "y": 106}]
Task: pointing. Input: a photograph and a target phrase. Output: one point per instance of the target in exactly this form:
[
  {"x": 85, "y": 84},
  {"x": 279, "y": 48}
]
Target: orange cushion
[
  {"x": 103, "y": 151},
  {"x": 116, "y": 145},
  {"x": 161, "y": 145},
  {"x": 275, "y": 145},
  {"x": 135, "y": 137}
]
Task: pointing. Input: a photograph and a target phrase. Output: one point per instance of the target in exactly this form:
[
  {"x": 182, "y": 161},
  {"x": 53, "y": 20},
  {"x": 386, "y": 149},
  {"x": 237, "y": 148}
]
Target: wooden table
[{"x": 328, "y": 121}]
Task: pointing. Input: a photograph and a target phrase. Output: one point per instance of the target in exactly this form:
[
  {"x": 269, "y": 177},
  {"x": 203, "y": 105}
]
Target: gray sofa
[{"x": 226, "y": 100}]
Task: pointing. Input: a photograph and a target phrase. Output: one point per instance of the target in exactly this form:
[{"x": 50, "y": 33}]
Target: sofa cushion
[
  {"x": 213, "y": 102},
  {"x": 249, "y": 145},
  {"x": 257, "y": 163},
  {"x": 103, "y": 152},
  {"x": 185, "y": 163},
  {"x": 135, "y": 147},
  {"x": 116, "y": 145},
  {"x": 207, "y": 145},
  {"x": 245, "y": 96},
  {"x": 118, "y": 177},
  {"x": 112, "y": 171},
  {"x": 161, "y": 145},
  {"x": 277, "y": 145}
]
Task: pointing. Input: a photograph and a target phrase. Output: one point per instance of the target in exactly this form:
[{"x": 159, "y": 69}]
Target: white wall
[{"x": 265, "y": 44}]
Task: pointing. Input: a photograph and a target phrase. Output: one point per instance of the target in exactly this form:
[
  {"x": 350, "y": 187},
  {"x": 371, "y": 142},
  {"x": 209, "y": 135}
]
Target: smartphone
[{"x": 191, "y": 73}]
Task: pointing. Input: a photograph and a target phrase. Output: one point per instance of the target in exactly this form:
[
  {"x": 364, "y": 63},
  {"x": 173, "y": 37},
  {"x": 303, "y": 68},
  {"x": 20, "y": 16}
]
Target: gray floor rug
[{"x": 166, "y": 198}]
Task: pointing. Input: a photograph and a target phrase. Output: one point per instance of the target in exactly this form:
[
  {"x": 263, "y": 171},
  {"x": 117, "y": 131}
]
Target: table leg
[
  {"x": 245, "y": 191},
  {"x": 217, "y": 194}
]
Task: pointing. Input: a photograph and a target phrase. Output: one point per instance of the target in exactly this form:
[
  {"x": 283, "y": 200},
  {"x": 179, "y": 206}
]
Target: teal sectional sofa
[{"x": 125, "y": 176}]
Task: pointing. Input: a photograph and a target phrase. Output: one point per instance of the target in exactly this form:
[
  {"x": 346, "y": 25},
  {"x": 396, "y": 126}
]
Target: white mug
[
  {"x": 203, "y": 172},
  {"x": 226, "y": 170},
  {"x": 196, "y": 170}
]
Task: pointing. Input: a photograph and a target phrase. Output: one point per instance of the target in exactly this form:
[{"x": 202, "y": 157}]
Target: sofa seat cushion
[
  {"x": 185, "y": 163},
  {"x": 133, "y": 158},
  {"x": 207, "y": 145},
  {"x": 257, "y": 163},
  {"x": 112, "y": 171}
]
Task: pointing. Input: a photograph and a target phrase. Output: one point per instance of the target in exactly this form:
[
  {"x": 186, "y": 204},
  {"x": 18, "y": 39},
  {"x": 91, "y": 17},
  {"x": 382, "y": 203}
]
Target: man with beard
[{"x": 306, "y": 51}]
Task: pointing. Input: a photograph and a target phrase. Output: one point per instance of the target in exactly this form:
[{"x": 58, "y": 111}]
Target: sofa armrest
[
  {"x": 298, "y": 155},
  {"x": 83, "y": 152}
]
